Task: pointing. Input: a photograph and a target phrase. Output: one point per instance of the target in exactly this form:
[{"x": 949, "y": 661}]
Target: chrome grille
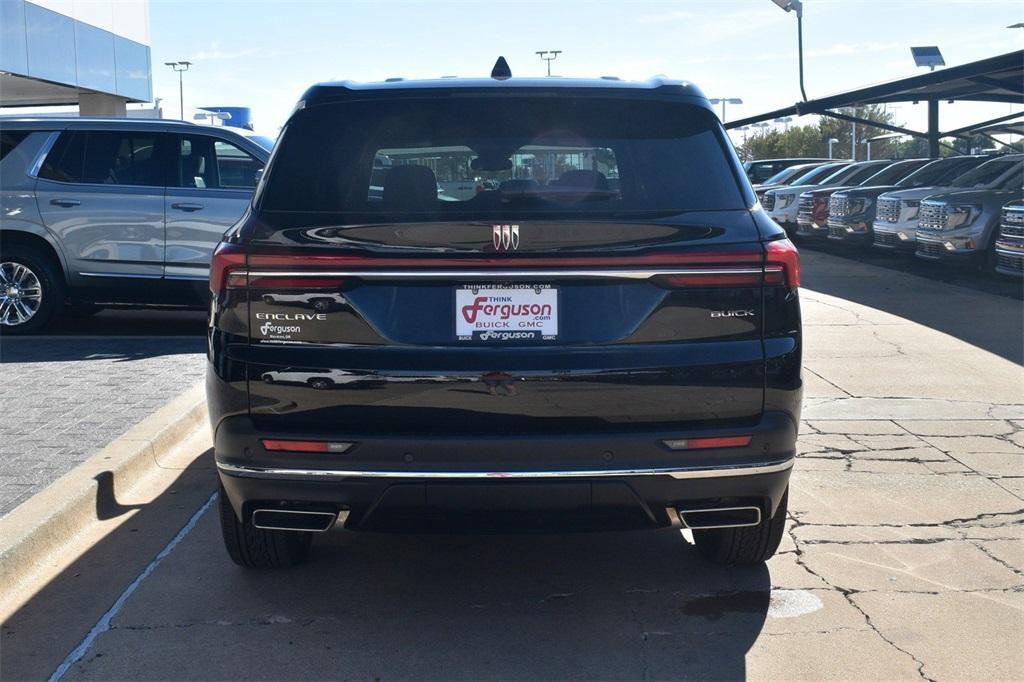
[
  {"x": 768, "y": 201},
  {"x": 804, "y": 209},
  {"x": 1012, "y": 223},
  {"x": 932, "y": 216},
  {"x": 929, "y": 249},
  {"x": 886, "y": 239},
  {"x": 838, "y": 207},
  {"x": 1009, "y": 262},
  {"x": 888, "y": 210}
]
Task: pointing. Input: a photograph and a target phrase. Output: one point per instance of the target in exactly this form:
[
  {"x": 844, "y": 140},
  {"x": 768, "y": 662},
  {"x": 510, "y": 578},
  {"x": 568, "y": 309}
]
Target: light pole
[
  {"x": 831, "y": 141},
  {"x": 549, "y": 56},
  {"x": 723, "y": 100},
  {"x": 789, "y": 6},
  {"x": 785, "y": 120},
  {"x": 180, "y": 68}
]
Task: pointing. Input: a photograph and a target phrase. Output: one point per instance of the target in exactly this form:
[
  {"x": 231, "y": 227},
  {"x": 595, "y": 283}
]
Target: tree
[{"x": 812, "y": 140}]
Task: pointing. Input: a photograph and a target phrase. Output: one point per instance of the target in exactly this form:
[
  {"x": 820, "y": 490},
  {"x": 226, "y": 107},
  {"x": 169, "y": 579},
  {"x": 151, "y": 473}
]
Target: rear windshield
[{"x": 471, "y": 158}]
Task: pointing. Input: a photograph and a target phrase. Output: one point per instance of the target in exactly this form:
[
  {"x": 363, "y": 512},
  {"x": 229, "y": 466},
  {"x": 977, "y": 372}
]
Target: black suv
[{"x": 547, "y": 303}]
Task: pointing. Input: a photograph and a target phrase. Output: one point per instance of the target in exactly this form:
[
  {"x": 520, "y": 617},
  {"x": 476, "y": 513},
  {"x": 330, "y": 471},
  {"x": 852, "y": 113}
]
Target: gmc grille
[
  {"x": 1012, "y": 223},
  {"x": 886, "y": 239},
  {"x": 932, "y": 216},
  {"x": 804, "y": 209},
  {"x": 838, "y": 207},
  {"x": 1011, "y": 263},
  {"x": 888, "y": 210},
  {"x": 929, "y": 249}
]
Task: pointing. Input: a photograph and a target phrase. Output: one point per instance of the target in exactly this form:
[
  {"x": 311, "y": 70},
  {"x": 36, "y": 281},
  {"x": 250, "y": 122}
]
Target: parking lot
[{"x": 906, "y": 532}]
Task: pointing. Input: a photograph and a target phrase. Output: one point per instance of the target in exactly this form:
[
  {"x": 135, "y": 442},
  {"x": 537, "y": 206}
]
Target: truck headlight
[
  {"x": 910, "y": 209},
  {"x": 784, "y": 200},
  {"x": 962, "y": 215},
  {"x": 859, "y": 205}
]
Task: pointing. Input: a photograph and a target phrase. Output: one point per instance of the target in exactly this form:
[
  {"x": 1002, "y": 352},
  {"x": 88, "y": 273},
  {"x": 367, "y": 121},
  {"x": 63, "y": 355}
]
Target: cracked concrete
[{"x": 906, "y": 537}]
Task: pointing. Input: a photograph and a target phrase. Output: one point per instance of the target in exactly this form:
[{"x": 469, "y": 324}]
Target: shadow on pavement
[
  {"x": 988, "y": 317},
  {"x": 625, "y": 605}
]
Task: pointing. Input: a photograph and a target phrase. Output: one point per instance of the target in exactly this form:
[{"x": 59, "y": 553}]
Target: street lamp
[
  {"x": 549, "y": 56},
  {"x": 723, "y": 100},
  {"x": 789, "y": 6},
  {"x": 180, "y": 68},
  {"x": 831, "y": 141},
  {"x": 785, "y": 120}
]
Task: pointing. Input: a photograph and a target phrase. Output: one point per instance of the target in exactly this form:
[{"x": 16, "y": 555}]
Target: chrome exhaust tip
[
  {"x": 289, "y": 519},
  {"x": 720, "y": 517}
]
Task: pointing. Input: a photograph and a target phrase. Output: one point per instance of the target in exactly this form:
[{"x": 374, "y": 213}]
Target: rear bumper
[{"x": 568, "y": 479}]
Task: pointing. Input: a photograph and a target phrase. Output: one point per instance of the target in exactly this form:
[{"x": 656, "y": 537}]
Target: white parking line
[{"x": 103, "y": 624}]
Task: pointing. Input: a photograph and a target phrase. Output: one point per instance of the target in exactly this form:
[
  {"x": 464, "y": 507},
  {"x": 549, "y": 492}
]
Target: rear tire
[
  {"x": 252, "y": 547},
  {"x": 744, "y": 546},
  {"x": 41, "y": 272}
]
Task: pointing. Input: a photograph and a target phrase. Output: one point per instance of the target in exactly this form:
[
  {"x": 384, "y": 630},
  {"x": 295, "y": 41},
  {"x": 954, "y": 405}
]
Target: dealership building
[{"x": 90, "y": 53}]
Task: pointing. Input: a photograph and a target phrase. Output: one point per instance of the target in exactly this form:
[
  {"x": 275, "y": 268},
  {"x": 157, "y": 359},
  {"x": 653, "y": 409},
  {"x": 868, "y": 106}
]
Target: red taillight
[
  {"x": 226, "y": 257},
  {"x": 782, "y": 254},
  {"x": 296, "y": 282},
  {"x": 710, "y": 279}
]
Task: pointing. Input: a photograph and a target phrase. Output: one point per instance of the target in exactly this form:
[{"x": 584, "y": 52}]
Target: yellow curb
[{"x": 52, "y": 517}]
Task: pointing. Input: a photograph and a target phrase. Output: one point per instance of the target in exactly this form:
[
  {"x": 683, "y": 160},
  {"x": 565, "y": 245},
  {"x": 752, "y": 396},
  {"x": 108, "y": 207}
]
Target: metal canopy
[{"x": 996, "y": 79}]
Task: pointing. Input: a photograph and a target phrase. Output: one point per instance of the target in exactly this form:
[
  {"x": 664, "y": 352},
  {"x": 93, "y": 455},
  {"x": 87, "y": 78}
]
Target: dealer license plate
[{"x": 524, "y": 312}]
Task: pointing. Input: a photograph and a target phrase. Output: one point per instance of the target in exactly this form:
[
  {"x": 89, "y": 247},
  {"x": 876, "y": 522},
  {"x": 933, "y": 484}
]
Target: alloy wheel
[{"x": 21, "y": 294}]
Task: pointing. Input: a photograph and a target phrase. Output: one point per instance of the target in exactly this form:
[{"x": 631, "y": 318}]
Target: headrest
[{"x": 410, "y": 188}]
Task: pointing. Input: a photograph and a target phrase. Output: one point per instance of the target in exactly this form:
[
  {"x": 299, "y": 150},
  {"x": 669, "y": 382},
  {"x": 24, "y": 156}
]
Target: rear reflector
[
  {"x": 707, "y": 443},
  {"x": 304, "y": 446}
]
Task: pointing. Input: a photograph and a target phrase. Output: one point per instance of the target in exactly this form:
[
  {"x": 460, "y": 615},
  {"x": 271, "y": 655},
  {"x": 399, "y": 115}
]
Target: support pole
[{"x": 933, "y": 129}]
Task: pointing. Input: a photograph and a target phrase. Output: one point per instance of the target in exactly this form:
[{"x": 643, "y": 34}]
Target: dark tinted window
[
  {"x": 984, "y": 174},
  {"x": 204, "y": 162},
  {"x": 816, "y": 174},
  {"x": 103, "y": 158},
  {"x": 517, "y": 157},
  {"x": 9, "y": 139},
  {"x": 894, "y": 173},
  {"x": 937, "y": 172},
  {"x": 852, "y": 175}
]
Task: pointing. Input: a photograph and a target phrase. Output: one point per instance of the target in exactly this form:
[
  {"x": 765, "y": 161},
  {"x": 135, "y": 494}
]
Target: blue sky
[{"x": 264, "y": 54}]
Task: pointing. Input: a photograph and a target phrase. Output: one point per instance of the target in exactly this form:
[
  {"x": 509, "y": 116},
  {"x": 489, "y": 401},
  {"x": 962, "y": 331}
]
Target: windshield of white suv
[{"x": 469, "y": 158}]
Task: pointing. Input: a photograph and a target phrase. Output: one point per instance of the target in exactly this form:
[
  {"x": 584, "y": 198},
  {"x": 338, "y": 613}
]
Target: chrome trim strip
[
  {"x": 1007, "y": 252},
  {"x": 44, "y": 150},
  {"x": 499, "y": 274},
  {"x": 682, "y": 517},
  {"x": 124, "y": 275},
  {"x": 674, "y": 472},
  {"x": 334, "y": 520}
]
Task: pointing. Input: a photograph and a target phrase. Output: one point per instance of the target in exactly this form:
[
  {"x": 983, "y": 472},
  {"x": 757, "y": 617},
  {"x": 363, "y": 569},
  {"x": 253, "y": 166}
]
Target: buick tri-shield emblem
[{"x": 505, "y": 237}]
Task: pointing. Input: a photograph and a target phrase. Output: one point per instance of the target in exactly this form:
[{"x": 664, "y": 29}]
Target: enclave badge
[{"x": 505, "y": 237}]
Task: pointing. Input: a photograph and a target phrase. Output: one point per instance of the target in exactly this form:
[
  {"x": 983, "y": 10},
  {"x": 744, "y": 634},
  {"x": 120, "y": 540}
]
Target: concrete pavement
[{"x": 903, "y": 557}]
